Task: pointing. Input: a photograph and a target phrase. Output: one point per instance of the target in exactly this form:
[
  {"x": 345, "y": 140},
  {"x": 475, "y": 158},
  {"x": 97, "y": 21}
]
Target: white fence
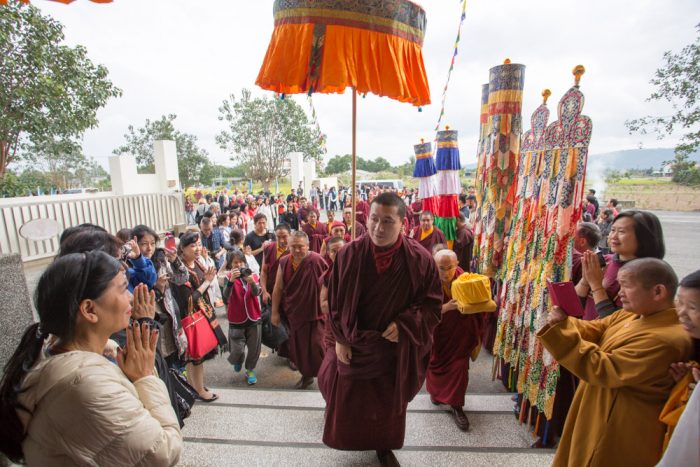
[{"x": 159, "y": 211}]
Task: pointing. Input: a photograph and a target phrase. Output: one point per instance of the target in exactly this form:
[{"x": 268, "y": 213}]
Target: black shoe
[
  {"x": 387, "y": 459},
  {"x": 434, "y": 402},
  {"x": 461, "y": 419},
  {"x": 304, "y": 382}
]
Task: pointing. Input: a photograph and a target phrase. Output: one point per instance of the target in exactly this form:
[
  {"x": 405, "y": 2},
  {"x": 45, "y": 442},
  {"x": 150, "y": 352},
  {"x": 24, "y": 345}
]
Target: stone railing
[{"x": 160, "y": 211}]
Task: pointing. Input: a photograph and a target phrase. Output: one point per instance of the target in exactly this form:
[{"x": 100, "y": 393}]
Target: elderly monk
[
  {"x": 337, "y": 231},
  {"x": 454, "y": 340},
  {"x": 464, "y": 243},
  {"x": 297, "y": 297},
  {"x": 426, "y": 233},
  {"x": 622, "y": 361},
  {"x": 384, "y": 299},
  {"x": 347, "y": 220},
  {"x": 315, "y": 230}
]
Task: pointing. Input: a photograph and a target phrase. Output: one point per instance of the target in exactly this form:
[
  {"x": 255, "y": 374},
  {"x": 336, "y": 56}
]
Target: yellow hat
[{"x": 473, "y": 293}]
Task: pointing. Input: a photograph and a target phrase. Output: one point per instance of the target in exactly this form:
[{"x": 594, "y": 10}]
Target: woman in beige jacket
[{"x": 75, "y": 406}]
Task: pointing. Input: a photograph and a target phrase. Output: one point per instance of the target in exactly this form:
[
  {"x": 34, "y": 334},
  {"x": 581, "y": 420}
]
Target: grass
[{"x": 642, "y": 181}]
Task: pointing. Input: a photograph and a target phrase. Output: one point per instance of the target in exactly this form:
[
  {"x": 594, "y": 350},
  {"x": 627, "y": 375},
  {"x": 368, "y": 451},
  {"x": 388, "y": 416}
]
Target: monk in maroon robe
[
  {"x": 297, "y": 298},
  {"x": 315, "y": 230},
  {"x": 464, "y": 243},
  {"x": 337, "y": 230},
  {"x": 384, "y": 299},
  {"x": 347, "y": 220},
  {"x": 268, "y": 273},
  {"x": 454, "y": 340},
  {"x": 333, "y": 246},
  {"x": 426, "y": 233},
  {"x": 362, "y": 211}
]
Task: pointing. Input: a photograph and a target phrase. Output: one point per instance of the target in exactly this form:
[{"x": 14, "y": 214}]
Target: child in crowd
[{"x": 244, "y": 316}]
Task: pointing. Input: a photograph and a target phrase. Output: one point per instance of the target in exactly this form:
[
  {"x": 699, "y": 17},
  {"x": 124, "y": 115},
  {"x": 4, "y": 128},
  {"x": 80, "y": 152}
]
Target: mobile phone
[
  {"x": 601, "y": 259},
  {"x": 170, "y": 243}
]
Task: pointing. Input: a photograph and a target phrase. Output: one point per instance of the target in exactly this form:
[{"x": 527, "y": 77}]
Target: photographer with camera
[{"x": 244, "y": 315}]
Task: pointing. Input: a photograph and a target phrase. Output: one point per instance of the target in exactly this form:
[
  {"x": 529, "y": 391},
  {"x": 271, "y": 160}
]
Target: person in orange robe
[
  {"x": 296, "y": 298},
  {"x": 426, "y": 233},
  {"x": 623, "y": 363},
  {"x": 455, "y": 338},
  {"x": 382, "y": 331},
  {"x": 315, "y": 230}
]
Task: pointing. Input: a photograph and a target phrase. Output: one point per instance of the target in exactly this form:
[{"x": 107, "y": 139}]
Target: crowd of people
[{"x": 369, "y": 313}]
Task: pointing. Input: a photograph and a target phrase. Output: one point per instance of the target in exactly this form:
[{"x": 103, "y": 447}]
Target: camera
[{"x": 245, "y": 272}]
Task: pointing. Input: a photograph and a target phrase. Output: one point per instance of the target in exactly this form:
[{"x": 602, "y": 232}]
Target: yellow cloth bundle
[{"x": 473, "y": 293}]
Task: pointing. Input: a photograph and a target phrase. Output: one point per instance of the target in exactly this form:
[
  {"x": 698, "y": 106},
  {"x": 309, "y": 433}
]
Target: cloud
[{"x": 184, "y": 57}]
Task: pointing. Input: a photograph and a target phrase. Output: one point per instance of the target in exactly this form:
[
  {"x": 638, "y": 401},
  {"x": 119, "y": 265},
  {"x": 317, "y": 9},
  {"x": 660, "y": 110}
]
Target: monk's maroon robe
[
  {"x": 454, "y": 339},
  {"x": 431, "y": 240},
  {"x": 316, "y": 235},
  {"x": 362, "y": 212},
  {"x": 463, "y": 246},
  {"x": 301, "y": 305},
  {"x": 366, "y": 400},
  {"x": 361, "y": 230},
  {"x": 270, "y": 259}
]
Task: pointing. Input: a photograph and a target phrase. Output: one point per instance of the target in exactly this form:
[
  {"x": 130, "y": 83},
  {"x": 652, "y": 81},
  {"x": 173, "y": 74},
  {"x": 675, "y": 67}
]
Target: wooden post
[{"x": 354, "y": 163}]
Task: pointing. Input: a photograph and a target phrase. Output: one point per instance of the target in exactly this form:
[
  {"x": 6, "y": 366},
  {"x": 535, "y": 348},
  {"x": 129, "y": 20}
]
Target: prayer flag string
[
  {"x": 314, "y": 122},
  {"x": 452, "y": 64}
]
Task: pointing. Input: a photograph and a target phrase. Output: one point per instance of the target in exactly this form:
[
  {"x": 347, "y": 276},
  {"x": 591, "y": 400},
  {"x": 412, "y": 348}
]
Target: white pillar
[
  {"x": 167, "y": 169},
  {"x": 122, "y": 170}
]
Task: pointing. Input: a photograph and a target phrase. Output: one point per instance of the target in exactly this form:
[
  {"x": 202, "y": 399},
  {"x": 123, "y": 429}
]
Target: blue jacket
[{"x": 141, "y": 271}]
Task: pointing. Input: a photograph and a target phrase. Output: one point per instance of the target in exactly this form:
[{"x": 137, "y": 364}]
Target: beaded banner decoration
[
  {"x": 548, "y": 207},
  {"x": 497, "y": 165}
]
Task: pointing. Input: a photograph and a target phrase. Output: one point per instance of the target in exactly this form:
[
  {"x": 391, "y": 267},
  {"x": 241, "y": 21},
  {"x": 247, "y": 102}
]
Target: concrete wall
[{"x": 127, "y": 181}]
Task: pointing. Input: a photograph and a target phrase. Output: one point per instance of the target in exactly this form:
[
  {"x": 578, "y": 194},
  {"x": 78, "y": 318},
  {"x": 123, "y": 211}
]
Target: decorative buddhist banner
[
  {"x": 448, "y": 184},
  {"x": 497, "y": 165},
  {"x": 550, "y": 191},
  {"x": 425, "y": 171}
]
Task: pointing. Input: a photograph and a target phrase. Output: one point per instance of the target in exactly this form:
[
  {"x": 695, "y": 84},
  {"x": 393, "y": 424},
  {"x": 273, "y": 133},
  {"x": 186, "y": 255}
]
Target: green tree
[
  {"x": 338, "y": 164},
  {"x": 61, "y": 159},
  {"x": 191, "y": 159},
  {"x": 677, "y": 82},
  {"x": 216, "y": 170},
  {"x": 262, "y": 131},
  {"x": 47, "y": 90}
]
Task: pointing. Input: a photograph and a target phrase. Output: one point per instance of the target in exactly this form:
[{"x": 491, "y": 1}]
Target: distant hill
[
  {"x": 624, "y": 160},
  {"x": 634, "y": 159}
]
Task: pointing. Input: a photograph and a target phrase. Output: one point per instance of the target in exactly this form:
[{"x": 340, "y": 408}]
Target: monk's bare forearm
[{"x": 324, "y": 300}]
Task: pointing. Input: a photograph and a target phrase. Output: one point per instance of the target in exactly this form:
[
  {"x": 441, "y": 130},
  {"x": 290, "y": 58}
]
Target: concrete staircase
[
  {"x": 284, "y": 427},
  {"x": 271, "y": 424}
]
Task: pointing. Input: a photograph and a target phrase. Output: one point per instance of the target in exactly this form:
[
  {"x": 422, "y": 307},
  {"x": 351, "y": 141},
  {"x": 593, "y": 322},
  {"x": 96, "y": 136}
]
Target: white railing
[{"x": 160, "y": 211}]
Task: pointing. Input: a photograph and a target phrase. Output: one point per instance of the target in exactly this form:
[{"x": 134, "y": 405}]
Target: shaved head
[
  {"x": 445, "y": 255},
  {"x": 651, "y": 271}
]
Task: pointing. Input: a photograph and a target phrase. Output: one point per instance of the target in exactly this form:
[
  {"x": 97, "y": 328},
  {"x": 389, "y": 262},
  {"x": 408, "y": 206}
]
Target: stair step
[
  {"x": 266, "y": 454},
  {"x": 228, "y": 424},
  {"x": 260, "y": 398}
]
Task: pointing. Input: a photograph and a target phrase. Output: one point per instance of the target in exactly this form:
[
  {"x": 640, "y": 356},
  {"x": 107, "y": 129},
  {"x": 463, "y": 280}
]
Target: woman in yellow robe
[{"x": 623, "y": 362}]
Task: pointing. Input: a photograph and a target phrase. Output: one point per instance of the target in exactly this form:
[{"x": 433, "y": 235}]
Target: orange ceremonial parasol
[{"x": 327, "y": 46}]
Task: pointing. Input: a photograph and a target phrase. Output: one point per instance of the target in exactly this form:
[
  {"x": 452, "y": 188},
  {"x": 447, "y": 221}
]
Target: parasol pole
[{"x": 354, "y": 162}]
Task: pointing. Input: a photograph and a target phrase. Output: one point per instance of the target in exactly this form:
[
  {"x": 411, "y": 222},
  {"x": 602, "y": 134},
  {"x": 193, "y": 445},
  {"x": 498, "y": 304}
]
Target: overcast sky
[{"x": 185, "y": 57}]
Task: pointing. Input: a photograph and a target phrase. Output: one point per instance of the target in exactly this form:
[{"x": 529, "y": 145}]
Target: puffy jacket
[{"x": 82, "y": 410}]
